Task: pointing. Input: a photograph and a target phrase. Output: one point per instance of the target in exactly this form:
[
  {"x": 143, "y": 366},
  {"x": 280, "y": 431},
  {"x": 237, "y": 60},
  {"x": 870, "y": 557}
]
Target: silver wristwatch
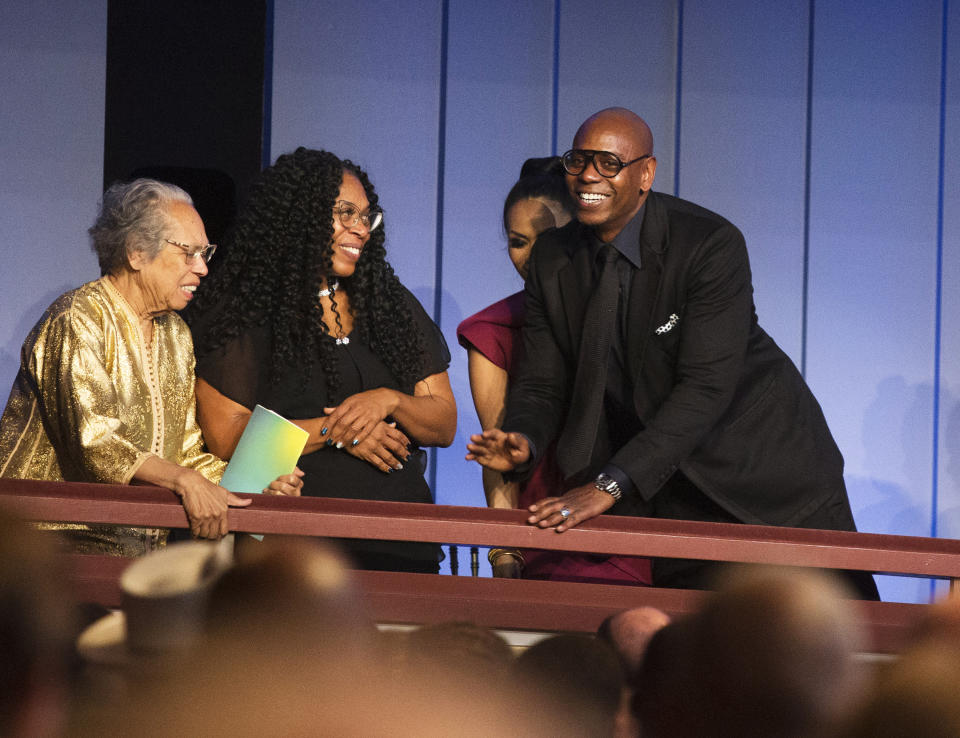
[{"x": 606, "y": 483}]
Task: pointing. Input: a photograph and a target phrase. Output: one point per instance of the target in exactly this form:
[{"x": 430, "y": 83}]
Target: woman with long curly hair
[{"x": 306, "y": 317}]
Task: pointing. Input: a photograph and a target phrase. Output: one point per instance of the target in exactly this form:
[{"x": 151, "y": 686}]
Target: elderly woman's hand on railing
[{"x": 206, "y": 503}]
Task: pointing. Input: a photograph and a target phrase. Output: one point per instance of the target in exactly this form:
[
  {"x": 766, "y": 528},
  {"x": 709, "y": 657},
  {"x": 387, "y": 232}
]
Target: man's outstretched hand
[{"x": 497, "y": 450}]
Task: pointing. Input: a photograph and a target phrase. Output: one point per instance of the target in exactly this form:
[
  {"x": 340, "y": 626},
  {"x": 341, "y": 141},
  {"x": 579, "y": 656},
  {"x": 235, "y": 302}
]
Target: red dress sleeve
[{"x": 495, "y": 331}]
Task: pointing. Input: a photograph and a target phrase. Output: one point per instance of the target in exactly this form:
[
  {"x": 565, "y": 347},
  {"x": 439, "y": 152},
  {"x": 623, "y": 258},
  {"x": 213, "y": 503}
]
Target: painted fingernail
[
  {"x": 323, "y": 431},
  {"x": 339, "y": 444},
  {"x": 329, "y": 442},
  {"x": 355, "y": 442},
  {"x": 398, "y": 467}
]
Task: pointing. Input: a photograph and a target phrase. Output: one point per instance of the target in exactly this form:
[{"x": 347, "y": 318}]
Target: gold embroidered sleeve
[{"x": 71, "y": 361}]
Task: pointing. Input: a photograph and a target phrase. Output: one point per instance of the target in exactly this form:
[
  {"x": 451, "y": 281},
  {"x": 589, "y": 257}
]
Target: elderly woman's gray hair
[{"x": 133, "y": 218}]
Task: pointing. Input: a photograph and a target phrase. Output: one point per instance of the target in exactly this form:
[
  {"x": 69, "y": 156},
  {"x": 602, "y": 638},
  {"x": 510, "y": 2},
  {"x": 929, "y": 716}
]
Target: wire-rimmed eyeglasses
[
  {"x": 195, "y": 253},
  {"x": 606, "y": 163},
  {"x": 349, "y": 215}
]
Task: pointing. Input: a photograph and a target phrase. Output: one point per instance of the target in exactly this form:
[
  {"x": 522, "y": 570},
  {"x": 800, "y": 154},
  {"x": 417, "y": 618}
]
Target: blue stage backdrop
[{"x": 827, "y": 131}]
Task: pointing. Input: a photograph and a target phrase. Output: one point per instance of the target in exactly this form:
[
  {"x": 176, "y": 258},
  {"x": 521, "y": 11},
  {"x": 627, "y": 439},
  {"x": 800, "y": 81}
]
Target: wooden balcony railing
[{"x": 513, "y": 604}]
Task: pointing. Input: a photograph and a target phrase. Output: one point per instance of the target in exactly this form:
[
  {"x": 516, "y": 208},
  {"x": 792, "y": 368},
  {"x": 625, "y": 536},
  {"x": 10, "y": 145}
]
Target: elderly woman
[
  {"x": 105, "y": 391},
  {"x": 306, "y": 317}
]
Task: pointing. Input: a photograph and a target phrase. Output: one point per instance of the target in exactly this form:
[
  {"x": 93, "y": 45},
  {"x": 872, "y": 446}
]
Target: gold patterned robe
[{"x": 92, "y": 401}]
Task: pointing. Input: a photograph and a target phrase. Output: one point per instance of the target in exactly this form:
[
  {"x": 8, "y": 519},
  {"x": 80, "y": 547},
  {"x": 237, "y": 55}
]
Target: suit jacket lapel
[
  {"x": 647, "y": 284},
  {"x": 575, "y": 281}
]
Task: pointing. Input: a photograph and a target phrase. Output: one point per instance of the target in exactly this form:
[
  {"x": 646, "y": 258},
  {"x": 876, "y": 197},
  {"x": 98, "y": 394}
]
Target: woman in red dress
[{"x": 538, "y": 201}]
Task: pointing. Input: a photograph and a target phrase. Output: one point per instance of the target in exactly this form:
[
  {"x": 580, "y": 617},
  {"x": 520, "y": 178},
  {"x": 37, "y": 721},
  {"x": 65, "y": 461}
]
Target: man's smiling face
[{"x": 608, "y": 203}]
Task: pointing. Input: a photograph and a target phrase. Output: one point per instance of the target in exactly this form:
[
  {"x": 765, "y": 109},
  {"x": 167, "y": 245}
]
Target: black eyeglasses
[
  {"x": 195, "y": 253},
  {"x": 349, "y": 215},
  {"x": 607, "y": 164}
]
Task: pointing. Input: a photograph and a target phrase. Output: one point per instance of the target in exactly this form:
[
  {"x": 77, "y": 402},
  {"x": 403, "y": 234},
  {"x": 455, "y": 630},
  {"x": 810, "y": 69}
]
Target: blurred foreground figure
[
  {"x": 289, "y": 593},
  {"x": 291, "y": 652},
  {"x": 572, "y": 684},
  {"x": 917, "y": 696},
  {"x": 463, "y": 651},
  {"x": 628, "y": 634},
  {"x": 769, "y": 655},
  {"x": 37, "y": 625},
  {"x": 919, "y": 693}
]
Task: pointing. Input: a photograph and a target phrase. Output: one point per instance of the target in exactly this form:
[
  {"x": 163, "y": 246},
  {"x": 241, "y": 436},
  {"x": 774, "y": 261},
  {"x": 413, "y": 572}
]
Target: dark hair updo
[{"x": 541, "y": 177}]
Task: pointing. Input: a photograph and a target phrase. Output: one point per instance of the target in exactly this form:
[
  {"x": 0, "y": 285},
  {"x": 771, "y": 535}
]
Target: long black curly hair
[{"x": 281, "y": 245}]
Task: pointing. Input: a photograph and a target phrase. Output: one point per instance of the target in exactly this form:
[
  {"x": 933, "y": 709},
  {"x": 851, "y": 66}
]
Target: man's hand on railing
[{"x": 576, "y": 506}]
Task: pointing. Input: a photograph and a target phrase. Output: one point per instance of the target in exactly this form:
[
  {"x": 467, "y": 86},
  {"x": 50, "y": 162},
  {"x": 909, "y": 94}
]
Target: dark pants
[
  {"x": 369, "y": 555},
  {"x": 680, "y": 499}
]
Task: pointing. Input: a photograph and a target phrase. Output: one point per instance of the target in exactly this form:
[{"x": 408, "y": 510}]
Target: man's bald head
[
  {"x": 606, "y": 203},
  {"x": 626, "y": 123}
]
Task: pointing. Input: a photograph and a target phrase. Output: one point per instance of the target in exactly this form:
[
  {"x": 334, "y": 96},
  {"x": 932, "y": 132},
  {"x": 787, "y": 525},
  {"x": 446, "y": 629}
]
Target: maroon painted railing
[{"x": 514, "y": 604}]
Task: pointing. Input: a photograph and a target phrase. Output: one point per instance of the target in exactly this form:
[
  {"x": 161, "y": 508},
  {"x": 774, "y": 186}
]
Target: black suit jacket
[{"x": 717, "y": 398}]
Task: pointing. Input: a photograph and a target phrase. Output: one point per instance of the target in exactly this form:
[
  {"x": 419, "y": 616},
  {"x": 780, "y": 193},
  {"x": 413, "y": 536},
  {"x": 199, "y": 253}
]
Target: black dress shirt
[{"x": 620, "y": 415}]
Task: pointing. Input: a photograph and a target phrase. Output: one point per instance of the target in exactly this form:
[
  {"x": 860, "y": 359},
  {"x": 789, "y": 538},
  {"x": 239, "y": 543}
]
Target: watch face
[{"x": 609, "y": 485}]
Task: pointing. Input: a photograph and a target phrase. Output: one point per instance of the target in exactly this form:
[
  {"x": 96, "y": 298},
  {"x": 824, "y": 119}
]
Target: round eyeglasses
[
  {"x": 349, "y": 215},
  {"x": 195, "y": 253},
  {"x": 606, "y": 163}
]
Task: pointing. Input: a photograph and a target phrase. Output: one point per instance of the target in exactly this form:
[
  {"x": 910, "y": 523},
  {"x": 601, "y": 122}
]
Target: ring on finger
[{"x": 565, "y": 512}]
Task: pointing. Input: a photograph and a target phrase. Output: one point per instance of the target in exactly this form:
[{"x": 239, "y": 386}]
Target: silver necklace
[{"x": 330, "y": 290}]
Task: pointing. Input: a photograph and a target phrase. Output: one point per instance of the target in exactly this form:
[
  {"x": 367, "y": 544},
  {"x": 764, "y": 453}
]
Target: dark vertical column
[{"x": 185, "y": 97}]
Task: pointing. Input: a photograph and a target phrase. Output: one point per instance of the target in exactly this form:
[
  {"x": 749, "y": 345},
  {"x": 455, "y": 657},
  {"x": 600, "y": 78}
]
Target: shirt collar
[{"x": 627, "y": 242}]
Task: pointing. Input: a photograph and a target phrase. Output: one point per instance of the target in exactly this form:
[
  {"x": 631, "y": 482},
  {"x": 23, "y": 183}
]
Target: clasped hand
[{"x": 358, "y": 426}]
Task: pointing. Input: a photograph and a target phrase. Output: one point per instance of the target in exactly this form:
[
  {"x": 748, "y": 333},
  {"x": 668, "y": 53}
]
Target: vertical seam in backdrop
[
  {"x": 807, "y": 166},
  {"x": 678, "y": 101},
  {"x": 441, "y": 164}
]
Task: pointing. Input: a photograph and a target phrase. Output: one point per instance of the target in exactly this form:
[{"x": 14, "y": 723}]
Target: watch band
[{"x": 606, "y": 483}]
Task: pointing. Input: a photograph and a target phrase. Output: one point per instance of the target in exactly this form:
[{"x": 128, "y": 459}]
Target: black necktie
[{"x": 575, "y": 447}]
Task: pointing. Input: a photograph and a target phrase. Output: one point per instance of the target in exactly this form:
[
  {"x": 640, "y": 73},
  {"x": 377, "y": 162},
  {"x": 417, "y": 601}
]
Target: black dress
[{"x": 241, "y": 371}]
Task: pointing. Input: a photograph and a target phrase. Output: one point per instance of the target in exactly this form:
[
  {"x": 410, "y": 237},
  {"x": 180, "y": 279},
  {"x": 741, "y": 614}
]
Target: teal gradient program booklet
[{"x": 269, "y": 448}]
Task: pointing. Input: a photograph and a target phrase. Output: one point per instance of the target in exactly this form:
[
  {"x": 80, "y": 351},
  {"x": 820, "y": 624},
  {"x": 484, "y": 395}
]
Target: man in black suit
[{"x": 644, "y": 357}]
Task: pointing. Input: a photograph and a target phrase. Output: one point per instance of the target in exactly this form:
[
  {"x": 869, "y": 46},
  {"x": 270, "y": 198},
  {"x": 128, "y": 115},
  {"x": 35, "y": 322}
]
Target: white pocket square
[{"x": 669, "y": 325}]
